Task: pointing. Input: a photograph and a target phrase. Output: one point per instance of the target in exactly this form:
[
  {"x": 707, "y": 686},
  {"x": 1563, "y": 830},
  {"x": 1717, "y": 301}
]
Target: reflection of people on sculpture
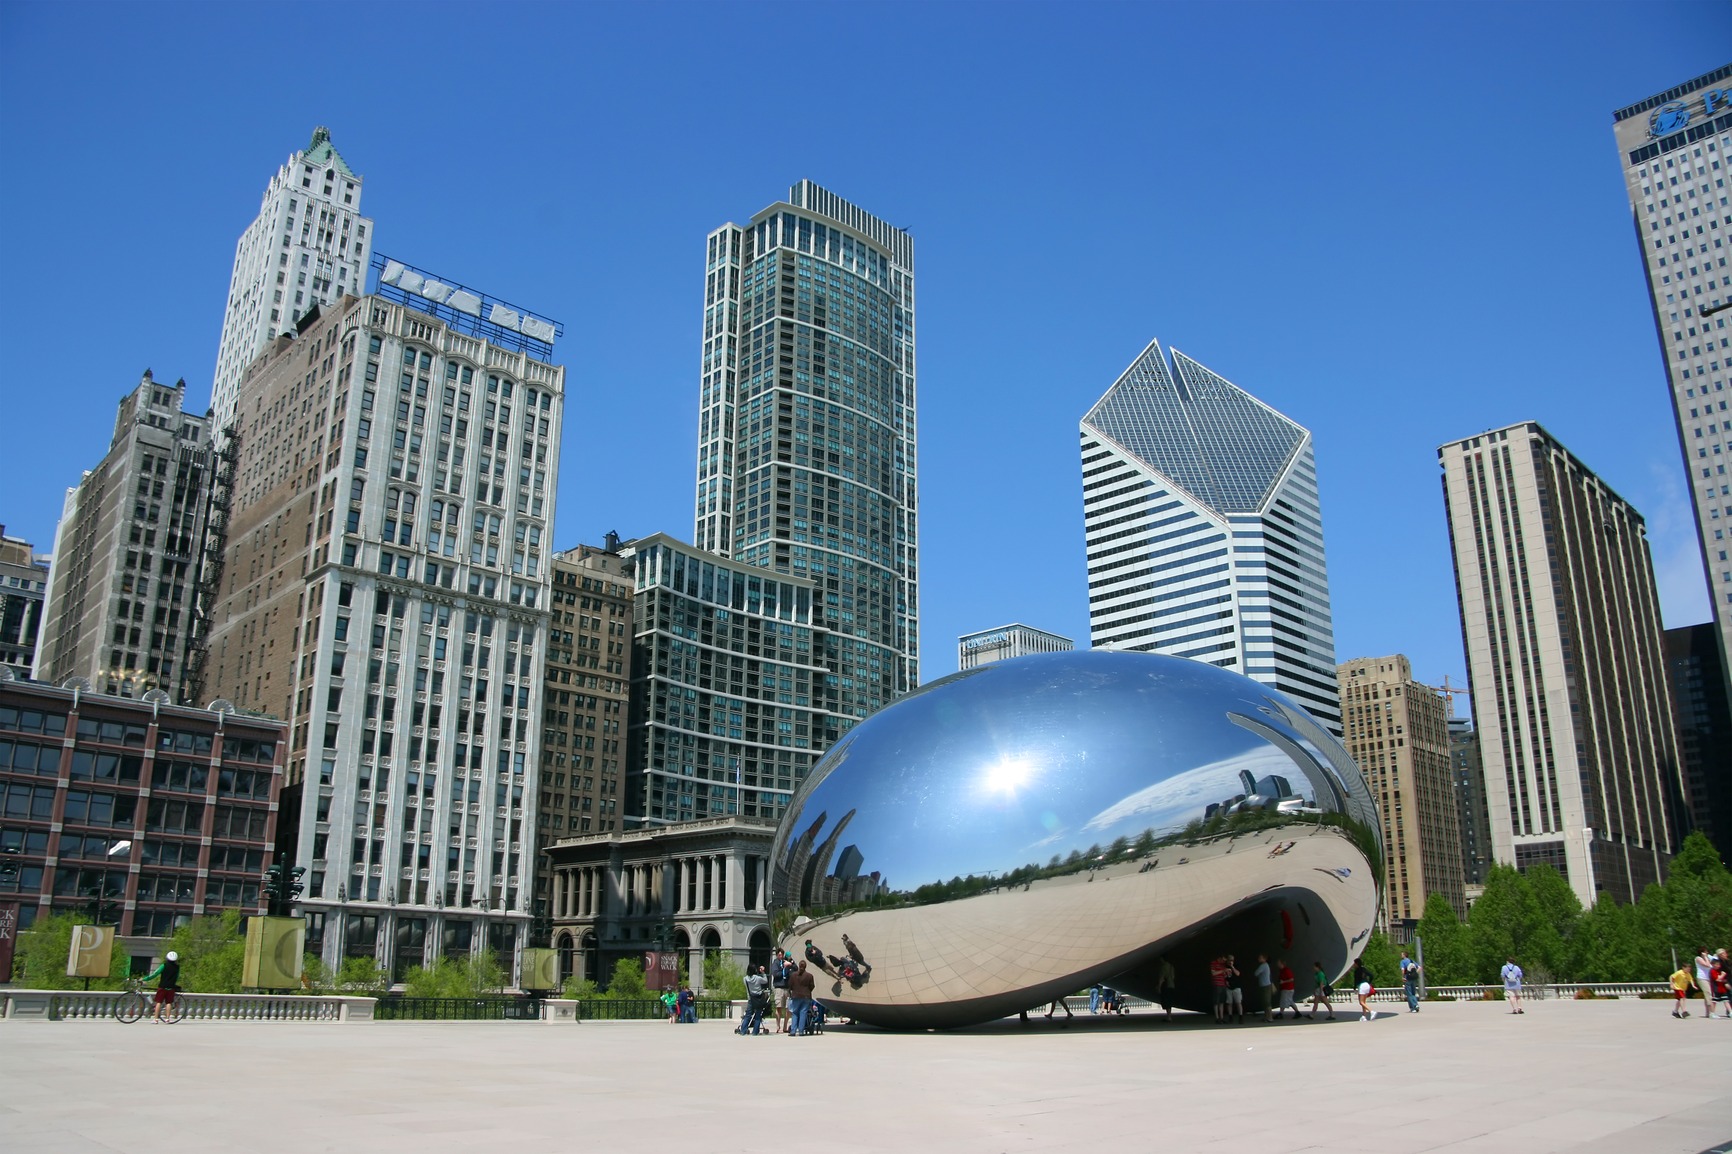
[
  {"x": 817, "y": 958},
  {"x": 1165, "y": 980}
]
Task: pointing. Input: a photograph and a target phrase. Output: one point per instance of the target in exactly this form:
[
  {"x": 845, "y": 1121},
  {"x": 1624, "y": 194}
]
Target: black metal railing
[
  {"x": 647, "y": 1009},
  {"x": 399, "y": 1009}
]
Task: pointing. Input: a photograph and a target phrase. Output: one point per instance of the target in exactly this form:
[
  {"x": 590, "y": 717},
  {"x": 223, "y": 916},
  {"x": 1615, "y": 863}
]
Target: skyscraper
[
  {"x": 1005, "y": 642},
  {"x": 1704, "y": 727},
  {"x": 123, "y": 586},
  {"x": 23, "y": 589},
  {"x": 1204, "y": 532},
  {"x": 308, "y": 246},
  {"x": 1476, "y": 859},
  {"x": 806, "y": 437},
  {"x": 387, "y": 593},
  {"x": 1398, "y": 732},
  {"x": 1561, "y": 624}
]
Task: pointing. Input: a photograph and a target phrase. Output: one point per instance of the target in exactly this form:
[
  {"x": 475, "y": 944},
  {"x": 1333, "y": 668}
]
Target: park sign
[
  {"x": 8, "y": 938},
  {"x": 661, "y": 970},
  {"x": 273, "y": 957}
]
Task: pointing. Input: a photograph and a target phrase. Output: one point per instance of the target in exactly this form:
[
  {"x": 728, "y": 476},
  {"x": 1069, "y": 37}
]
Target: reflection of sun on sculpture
[{"x": 1005, "y": 836}]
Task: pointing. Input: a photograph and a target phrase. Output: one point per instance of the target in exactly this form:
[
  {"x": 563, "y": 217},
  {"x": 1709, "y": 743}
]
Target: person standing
[
  {"x": 1095, "y": 998},
  {"x": 1285, "y": 983},
  {"x": 1410, "y": 982},
  {"x": 1218, "y": 983},
  {"x": 1165, "y": 981},
  {"x": 1512, "y": 986},
  {"x": 1721, "y": 978},
  {"x": 168, "y": 987},
  {"x": 1265, "y": 986},
  {"x": 1705, "y": 980},
  {"x": 1321, "y": 990},
  {"x": 801, "y": 985},
  {"x": 780, "y": 968},
  {"x": 1235, "y": 991},
  {"x": 757, "y": 1001}
]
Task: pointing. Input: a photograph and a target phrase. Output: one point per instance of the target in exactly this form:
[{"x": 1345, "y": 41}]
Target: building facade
[
  {"x": 122, "y": 605},
  {"x": 698, "y": 888},
  {"x": 388, "y": 594},
  {"x": 1005, "y": 642},
  {"x": 23, "y": 591},
  {"x": 308, "y": 246},
  {"x": 807, "y": 433},
  {"x": 727, "y": 685},
  {"x": 1697, "y": 681},
  {"x": 1203, "y": 530},
  {"x": 1471, "y": 819},
  {"x": 1398, "y": 732},
  {"x": 1673, "y": 148},
  {"x": 585, "y": 707},
  {"x": 141, "y": 813},
  {"x": 1561, "y": 625}
]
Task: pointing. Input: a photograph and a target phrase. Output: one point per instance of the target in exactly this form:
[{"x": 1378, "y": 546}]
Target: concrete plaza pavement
[{"x": 1609, "y": 1077}]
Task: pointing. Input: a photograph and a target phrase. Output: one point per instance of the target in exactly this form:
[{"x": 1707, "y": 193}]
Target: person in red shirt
[
  {"x": 1218, "y": 979},
  {"x": 1284, "y": 982}
]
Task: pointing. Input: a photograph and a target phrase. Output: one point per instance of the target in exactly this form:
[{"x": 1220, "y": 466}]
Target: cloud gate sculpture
[{"x": 1020, "y": 831}]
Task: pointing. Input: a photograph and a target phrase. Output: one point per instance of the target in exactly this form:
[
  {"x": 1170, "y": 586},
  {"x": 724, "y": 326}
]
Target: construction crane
[{"x": 1448, "y": 692}]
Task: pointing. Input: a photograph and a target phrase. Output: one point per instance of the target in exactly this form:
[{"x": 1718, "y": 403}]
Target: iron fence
[
  {"x": 505, "y": 1009},
  {"x": 647, "y": 1009}
]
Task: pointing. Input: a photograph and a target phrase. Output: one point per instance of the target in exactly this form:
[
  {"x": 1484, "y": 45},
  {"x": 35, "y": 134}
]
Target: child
[{"x": 1682, "y": 980}]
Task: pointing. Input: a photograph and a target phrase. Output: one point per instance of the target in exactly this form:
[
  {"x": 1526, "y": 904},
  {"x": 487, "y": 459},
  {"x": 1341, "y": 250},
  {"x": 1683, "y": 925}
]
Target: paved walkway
[{"x": 1604, "y": 1077}]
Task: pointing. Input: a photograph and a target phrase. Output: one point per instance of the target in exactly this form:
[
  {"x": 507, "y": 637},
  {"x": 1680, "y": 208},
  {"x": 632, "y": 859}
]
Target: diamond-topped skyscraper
[
  {"x": 308, "y": 246},
  {"x": 806, "y": 441},
  {"x": 1204, "y": 532}
]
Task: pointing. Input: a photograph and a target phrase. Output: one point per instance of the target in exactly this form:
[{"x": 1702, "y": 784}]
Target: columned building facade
[
  {"x": 807, "y": 433},
  {"x": 1561, "y": 625},
  {"x": 1674, "y": 148},
  {"x": 698, "y": 888},
  {"x": 307, "y": 247},
  {"x": 1204, "y": 531},
  {"x": 1398, "y": 732},
  {"x": 387, "y": 593},
  {"x": 23, "y": 591}
]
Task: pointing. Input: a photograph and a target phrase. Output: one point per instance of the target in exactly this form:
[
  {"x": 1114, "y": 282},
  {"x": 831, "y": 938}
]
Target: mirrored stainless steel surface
[{"x": 1017, "y": 832}]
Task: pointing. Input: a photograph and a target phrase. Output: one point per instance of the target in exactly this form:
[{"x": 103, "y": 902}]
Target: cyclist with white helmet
[{"x": 168, "y": 988}]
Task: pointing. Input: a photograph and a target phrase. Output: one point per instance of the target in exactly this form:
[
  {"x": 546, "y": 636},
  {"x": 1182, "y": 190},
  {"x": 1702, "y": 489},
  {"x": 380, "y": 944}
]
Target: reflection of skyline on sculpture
[
  {"x": 1060, "y": 805},
  {"x": 1016, "y": 832}
]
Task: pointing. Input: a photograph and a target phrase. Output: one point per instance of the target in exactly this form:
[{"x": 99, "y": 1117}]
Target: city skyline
[{"x": 1373, "y": 380}]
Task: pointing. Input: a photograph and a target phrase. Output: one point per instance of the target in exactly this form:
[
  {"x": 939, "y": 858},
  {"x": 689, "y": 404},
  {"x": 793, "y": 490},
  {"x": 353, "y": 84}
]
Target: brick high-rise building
[{"x": 1398, "y": 732}]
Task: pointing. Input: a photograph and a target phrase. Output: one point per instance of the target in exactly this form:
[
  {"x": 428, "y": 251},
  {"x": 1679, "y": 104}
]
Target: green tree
[
  {"x": 1506, "y": 922},
  {"x": 626, "y": 981},
  {"x": 362, "y": 976},
  {"x": 1560, "y": 911},
  {"x": 1698, "y": 897},
  {"x": 1607, "y": 945},
  {"x": 1382, "y": 959},
  {"x": 213, "y": 950},
  {"x": 580, "y": 988},
  {"x": 1448, "y": 954},
  {"x": 40, "y": 957},
  {"x": 724, "y": 977}
]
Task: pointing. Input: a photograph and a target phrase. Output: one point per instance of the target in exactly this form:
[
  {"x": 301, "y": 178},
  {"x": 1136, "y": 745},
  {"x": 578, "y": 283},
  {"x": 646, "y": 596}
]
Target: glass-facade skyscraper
[
  {"x": 1204, "y": 532},
  {"x": 806, "y": 440}
]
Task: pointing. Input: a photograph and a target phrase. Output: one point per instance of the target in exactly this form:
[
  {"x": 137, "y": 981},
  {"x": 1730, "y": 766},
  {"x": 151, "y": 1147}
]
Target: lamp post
[{"x": 1712, "y": 309}]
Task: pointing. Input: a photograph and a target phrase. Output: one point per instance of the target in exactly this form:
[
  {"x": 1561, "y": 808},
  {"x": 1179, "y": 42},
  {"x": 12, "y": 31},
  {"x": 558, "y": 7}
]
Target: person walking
[
  {"x": 1410, "y": 982},
  {"x": 1265, "y": 986},
  {"x": 780, "y": 968},
  {"x": 801, "y": 985},
  {"x": 757, "y": 1001},
  {"x": 1512, "y": 986},
  {"x": 1285, "y": 983},
  {"x": 1721, "y": 979},
  {"x": 1364, "y": 987},
  {"x": 1321, "y": 991},
  {"x": 1681, "y": 982}
]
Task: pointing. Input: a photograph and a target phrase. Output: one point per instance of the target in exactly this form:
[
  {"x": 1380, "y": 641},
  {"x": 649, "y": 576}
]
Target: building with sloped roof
[{"x": 1204, "y": 532}]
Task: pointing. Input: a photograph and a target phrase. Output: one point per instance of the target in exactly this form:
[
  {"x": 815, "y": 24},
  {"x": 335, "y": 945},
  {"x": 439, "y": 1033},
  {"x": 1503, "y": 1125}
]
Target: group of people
[
  {"x": 1273, "y": 984},
  {"x": 1711, "y": 975},
  {"x": 681, "y": 1004},
  {"x": 787, "y": 986}
]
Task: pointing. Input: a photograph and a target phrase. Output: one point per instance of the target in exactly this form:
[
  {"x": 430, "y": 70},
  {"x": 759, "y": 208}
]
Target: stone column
[{"x": 736, "y": 884}]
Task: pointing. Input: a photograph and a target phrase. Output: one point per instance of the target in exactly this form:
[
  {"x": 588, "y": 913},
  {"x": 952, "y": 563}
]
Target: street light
[{"x": 1712, "y": 309}]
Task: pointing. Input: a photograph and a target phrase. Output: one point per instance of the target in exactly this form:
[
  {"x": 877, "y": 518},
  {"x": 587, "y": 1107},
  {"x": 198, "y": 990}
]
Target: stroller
[{"x": 815, "y": 1017}]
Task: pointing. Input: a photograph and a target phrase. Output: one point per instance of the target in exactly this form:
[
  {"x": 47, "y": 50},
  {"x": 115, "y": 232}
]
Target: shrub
[
  {"x": 1492, "y": 994},
  {"x": 1586, "y": 994},
  {"x": 40, "y": 963},
  {"x": 581, "y": 989}
]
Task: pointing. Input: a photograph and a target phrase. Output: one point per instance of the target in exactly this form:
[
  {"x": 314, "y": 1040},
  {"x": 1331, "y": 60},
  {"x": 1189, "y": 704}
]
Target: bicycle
[{"x": 134, "y": 1004}]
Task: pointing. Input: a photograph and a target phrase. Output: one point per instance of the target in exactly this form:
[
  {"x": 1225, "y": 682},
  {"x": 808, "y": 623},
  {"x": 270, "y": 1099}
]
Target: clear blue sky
[{"x": 1399, "y": 224}]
